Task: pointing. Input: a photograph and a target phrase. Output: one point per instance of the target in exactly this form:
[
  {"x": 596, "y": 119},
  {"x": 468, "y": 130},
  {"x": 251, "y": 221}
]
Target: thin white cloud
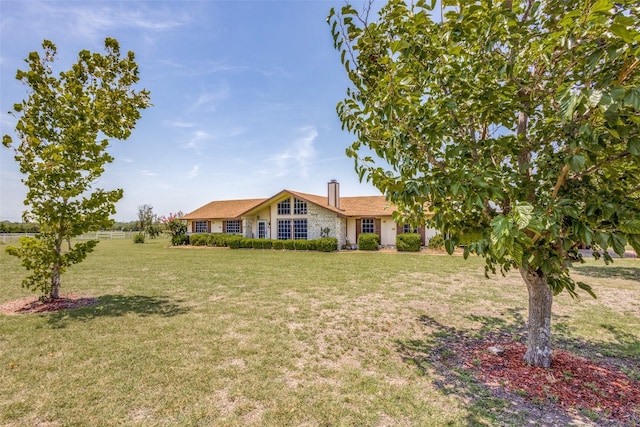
[
  {"x": 146, "y": 172},
  {"x": 178, "y": 124},
  {"x": 296, "y": 157},
  {"x": 195, "y": 171},
  {"x": 208, "y": 101},
  {"x": 92, "y": 19},
  {"x": 197, "y": 141}
]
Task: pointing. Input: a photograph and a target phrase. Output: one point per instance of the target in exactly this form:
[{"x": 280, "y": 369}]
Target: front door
[{"x": 262, "y": 229}]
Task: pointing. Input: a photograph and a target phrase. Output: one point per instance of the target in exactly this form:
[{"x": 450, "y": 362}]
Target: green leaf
[
  {"x": 618, "y": 243},
  {"x": 450, "y": 246},
  {"x": 601, "y": 6},
  {"x": 622, "y": 32},
  {"x": 632, "y": 99},
  {"x": 633, "y": 145},
  {"x": 522, "y": 214},
  {"x": 587, "y": 289},
  {"x": 577, "y": 162},
  {"x": 631, "y": 226}
]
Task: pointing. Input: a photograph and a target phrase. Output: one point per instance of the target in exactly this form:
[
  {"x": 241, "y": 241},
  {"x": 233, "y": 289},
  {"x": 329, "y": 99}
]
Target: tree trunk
[
  {"x": 56, "y": 270},
  {"x": 539, "y": 333},
  {"x": 55, "y": 283}
]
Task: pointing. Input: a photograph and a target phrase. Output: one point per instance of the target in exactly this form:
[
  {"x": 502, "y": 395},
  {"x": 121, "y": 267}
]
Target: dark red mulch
[
  {"x": 31, "y": 305},
  {"x": 572, "y": 382}
]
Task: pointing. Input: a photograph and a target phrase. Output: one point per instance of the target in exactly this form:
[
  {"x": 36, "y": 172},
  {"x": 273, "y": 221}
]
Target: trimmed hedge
[
  {"x": 199, "y": 239},
  {"x": 326, "y": 244},
  {"x": 368, "y": 242},
  {"x": 179, "y": 240},
  {"x": 234, "y": 241},
  {"x": 408, "y": 242}
]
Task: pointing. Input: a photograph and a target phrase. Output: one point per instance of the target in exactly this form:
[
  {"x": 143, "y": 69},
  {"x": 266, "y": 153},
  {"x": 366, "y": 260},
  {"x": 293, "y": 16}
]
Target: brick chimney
[{"x": 334, "y": 193}]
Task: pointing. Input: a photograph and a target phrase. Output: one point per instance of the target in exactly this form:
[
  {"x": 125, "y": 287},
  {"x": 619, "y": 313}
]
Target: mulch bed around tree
[
  {"x": 31, "y": 305},
  {"x": 572, "y": 383}
]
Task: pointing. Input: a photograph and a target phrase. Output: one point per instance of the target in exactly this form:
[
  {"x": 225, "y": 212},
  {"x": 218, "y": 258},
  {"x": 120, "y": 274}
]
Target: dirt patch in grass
[{"x": 35, "y": 305}]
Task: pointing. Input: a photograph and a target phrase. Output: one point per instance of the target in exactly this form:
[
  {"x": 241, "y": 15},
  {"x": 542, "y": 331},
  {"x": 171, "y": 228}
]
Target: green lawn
[{"x": 186, "y": 336}]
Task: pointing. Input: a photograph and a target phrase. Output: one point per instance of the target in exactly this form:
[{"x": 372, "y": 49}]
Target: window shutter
[
  {"x": 240, "y": 221},
  {"x": 399, "y": 228},
  {"x": 377, "y": 227},
  {"x": 358, "y": 228},
  {"x": 224, "y": 226},
  {"x": 208, "y": 226}
]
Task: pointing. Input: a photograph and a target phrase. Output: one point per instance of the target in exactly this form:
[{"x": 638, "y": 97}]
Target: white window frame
[
  {"x": 299, "y": 207},
  {"x": 300, "y": 229},
  {"x": 368, "y": 225},
  {"x": 284, "y": 207},
  {"x": 198, "y": 226},
  {"x": 236, "y": 226},
  {"x": 284, "y": 231}
]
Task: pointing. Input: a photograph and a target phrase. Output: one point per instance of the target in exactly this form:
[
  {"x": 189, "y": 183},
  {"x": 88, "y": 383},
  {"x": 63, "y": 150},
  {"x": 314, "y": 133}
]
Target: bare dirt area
[{"x": 35, "y": 305}]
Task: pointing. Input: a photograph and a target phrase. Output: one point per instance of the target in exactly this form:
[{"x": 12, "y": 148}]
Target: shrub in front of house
[
  {"x": 199, "y": 239},
  {"x": 234, "y": 241},
  {"x": 408, "y": 242},
  {"x": 436, "y": 242},
  {"x": 179, "y": 240},
  {"x": 368, "y": 242},
  {"x": 278, "y": 244},
  {"x": 266, "y": 243},
  {"x": 302, "y": 245},
  {"x": 261, "y": 243},
  {"x": 289, "y": 244},
  {"x": 246, "y": 243},
  {"x": 138, "y": 238},
  {"x": 326, "y": 244}
]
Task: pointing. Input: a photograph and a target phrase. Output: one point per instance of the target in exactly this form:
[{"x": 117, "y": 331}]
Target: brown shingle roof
[
  {"x": 367, "y": 206},
  {"x": 223, "y": 209},
  {"x": 361, "y": 206}
]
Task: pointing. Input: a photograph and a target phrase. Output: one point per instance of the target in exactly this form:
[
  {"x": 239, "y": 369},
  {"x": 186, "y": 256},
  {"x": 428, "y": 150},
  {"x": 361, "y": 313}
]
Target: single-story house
[{"x": 294, "y": 215}]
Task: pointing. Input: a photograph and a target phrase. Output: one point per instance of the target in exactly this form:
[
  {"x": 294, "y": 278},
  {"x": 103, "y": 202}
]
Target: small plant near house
[
  {"x": 324, "y": 232},
  {"x": 368, "y": 242},
  {"x": 408, "y": 242},
  {"x": 278, "y": 244},
  {"x": 138, "y": 238},
  {"x": 436, "y": 242}
]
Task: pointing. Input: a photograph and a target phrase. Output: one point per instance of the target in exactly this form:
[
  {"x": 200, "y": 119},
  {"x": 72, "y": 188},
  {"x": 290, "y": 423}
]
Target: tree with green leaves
[
  {"x": 516, "y": 123},
  {"x": 64, "y": 128},
  {"x": 148, "y": 222}
]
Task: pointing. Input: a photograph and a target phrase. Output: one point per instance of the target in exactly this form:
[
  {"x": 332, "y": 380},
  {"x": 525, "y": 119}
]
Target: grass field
[{"x": 186, "y": 336}]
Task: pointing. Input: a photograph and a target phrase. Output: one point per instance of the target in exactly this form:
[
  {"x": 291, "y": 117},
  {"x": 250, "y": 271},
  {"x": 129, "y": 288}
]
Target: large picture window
[
  {"x": 284, "y": 207},
  {"x": 200, "y": 227},
  {"x": 300, "y": 229},
  {"x": 299, "y": 207},
  {"x": 368, "y": 225},
  {"x": 284, "y": 229},
  {"x": 233, "y": 227}
]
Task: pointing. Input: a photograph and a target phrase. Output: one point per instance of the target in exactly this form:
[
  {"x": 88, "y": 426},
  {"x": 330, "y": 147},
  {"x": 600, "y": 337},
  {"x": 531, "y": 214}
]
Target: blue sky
[{"x": 244, "y": 96}]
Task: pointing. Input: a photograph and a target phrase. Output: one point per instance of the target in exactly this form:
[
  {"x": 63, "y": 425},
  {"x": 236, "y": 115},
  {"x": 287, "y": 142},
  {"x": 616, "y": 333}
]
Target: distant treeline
[{"x": 26, "y": 227}]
